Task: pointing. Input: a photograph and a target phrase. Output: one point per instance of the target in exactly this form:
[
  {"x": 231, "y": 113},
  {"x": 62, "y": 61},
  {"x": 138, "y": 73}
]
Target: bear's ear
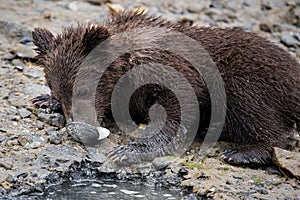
[
  {"x": 94, "y": 35},
  {"x": 42, "y": 38}
]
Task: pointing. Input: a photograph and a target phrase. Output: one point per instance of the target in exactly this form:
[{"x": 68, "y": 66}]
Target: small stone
[
  {"x": 106, "y": 169},
  {"x": 288, "y": 40},
  {"x": 265, "y": 7},
  {"x": 160, "y": 163},
  {"x": 54, "y": 119},
  {"x": 19, "y": 68},
  {"x": 17, "y": 62},
  {"x": 265, "y": 27},
  {"x": 24, "y": 113},
  {"x": 10, "y": 178},
  {"x": 202, "y": 175},
  {"x": 36, "y": 141},
  {"x": 216, "y": 5},
  {"x": 12, "y": 117},
  {"x": 56, "y": 137},
  {"x": 97, "y": 2},
  {"x": 182, "y": 172},
  {"x": 3, "y": 176},
  {"x": 297, "y": 36},
  {"x": 129, "y": 192},
  {"x": 237, "y": 177},
  {"x": 6, "y": 185},
  {"x": 287, "y": 160},
  {"x": 26, "y": 40},
  {"x": 24, "y": 51},
  {"x": 252, "y": 3},
  {"x": 282, "y": 27},
  {"x": 23, "y": 140},
  {"x": 14, "y": 29},
  {"x": 73, "y": 6},
  {"x": 50, "y": 131},
  {"x": 39, "y": 126},
  {"x": 195, "y": 7},
  {"x": 33, "y": 73},
  {"x": 262, "y": 191},
  {"x": 213, "y": 190},
  {"x": 9, "y": 56},
  {"x": 6, "y": 164},
  {"x": 229, "y": 182},
  {"x": 3, "y": 130},
  {"x": 144, "y": 168},
  {"x": 47, "y": 14}
]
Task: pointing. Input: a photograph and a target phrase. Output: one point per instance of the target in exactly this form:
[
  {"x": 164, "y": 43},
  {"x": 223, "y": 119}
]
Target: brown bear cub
[{"x": 262, "y": 84}]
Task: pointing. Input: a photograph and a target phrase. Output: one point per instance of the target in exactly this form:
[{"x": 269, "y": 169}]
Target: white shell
[{"x": 103, "y": 132}]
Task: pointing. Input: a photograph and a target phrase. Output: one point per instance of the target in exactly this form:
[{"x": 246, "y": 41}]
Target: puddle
[{"x": 110, "y": 190}]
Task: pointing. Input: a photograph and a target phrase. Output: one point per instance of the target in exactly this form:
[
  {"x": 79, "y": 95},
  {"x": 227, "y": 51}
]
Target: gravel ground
[{"x": 36, "y": 151}]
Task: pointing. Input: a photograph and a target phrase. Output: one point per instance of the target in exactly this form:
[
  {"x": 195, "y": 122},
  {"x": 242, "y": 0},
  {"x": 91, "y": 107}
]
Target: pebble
[
  {"x": 297, "y": 36},
  {"x": 56, "y": 137},
  {"x": 110, "y": 185},
  {"x": 3, "y": 176},
  {"x": 6, "y": 164},
  {"x": 23, "y": 112},
  {"x": 8, "y": 56},
  {"x": 289, "y": 40},
  {"x": 282, "y": 27},
  {"x": 160, "y": 163},
  {"x": 144, "y": 168},
  {"x": 287, "y": 160},
  {"x": 14, "y": 30},
  {"x": 96, "y": 185},
  {"x": 6, "y": 185},
  {"x": 32, "y": 141},
  {"x": 195, "y": 7},
  {"x": 97, "y": 2},
  {"x": 27, "y": 40},
  {"x": 190, "y": 197},
  {"x": 47, "y": 14},
  {"x": 54, "y": 119},
  {"x": 274, "y": 3},
  {"x": 129, "y": 192},
  {"x": 182, "y": 172},
  {"x": 33, "y": 73},
  {"x": 139, "y": 196},
  {"x": 106, "y": 169},
  {"x": 24, "y": 51},
  {"x": 17, "y": 62},
  {"x": 252, "y": 3},
  {"x": 265, "y": 27},
  {"x": 73, "y": 6},
  {"x": 23, "y": 140},
  {"x": 19, "y": 68},
  {"x": 262, "y": 191}
]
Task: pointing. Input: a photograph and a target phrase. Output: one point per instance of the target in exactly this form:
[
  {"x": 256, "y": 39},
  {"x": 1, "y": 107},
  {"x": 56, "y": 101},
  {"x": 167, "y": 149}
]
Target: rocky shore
[{"x": 35, "y": 149}]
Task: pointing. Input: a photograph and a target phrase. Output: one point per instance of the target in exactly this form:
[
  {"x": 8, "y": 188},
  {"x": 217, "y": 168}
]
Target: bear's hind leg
[{"x": 257, "y": 154}]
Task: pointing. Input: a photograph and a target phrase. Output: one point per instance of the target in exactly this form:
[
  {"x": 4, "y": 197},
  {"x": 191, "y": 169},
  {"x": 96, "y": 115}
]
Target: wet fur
[{"x": 262, "y": 83}]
